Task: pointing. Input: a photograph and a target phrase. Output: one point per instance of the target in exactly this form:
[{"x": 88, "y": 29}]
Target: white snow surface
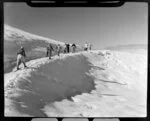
[{"x": 120, "y": 80}]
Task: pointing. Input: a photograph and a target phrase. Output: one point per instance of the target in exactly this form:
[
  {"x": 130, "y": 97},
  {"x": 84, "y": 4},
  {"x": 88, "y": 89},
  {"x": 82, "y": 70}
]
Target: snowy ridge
[
  {"x": 10, "y": 31},
  {"x": 120, "y": 89},
  {"x": 120, "y": 80},
  {"x": 34, "y": 45}
]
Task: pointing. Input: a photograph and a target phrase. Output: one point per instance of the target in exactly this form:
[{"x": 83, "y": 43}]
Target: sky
[{"x": 101, "y": 27}]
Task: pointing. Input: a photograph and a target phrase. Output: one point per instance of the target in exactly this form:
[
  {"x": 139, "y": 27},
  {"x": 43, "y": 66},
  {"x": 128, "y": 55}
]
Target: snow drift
[{"x": 87, "y": 84}]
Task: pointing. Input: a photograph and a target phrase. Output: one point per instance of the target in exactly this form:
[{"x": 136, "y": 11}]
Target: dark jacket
[
  {"x": 73, "y": 45},
  {"x": 68, "y": 48},
  {"x": 50, "y": 48},
  {"x": 22, "y": 52}
]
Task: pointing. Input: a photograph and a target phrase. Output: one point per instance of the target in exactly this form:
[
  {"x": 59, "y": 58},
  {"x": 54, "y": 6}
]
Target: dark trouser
[
  {"x": 24, "y": 64},
  {"x": 74, "y": 50},
  {"x": 58, "y": 52},
  {"x": 65, "y": 50},
  {"x": 49, "y": 54},
  {"x": 68, "y": 50}
]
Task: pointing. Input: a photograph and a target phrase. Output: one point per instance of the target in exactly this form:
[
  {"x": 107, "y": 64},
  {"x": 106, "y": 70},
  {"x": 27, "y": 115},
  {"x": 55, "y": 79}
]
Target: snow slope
[
  {"x": 86, "y": 84},
  {"x": 35, "y": 45}
]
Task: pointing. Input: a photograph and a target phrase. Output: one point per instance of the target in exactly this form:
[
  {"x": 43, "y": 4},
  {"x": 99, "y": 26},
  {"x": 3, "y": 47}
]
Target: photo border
[{"x": 60, "y": 4}]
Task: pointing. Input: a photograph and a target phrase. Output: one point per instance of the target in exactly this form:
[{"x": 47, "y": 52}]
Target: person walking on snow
[
  {"x": 73, "y": 47},
  {"x": 49, "y": 51},
  {"x": 65, "y": 48},
  {"x": 58, "y": 49},
  {"x": 90, "y": 46},
  {"x": 85, "y": 46},
  {"x": 68, "y": 48},
  {"x": 21, "y": 57}
]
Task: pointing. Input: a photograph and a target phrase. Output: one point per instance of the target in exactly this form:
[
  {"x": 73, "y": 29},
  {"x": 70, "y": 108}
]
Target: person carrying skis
[
  {"x": 73, "y": 47},
  {"x": 49, "y": 51},
  {"x": 21, "y": 57}
]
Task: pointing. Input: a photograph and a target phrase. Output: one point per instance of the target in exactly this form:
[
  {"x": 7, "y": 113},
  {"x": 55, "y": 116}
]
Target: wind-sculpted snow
[
  {"x": 120, "y": 81},
  {"x": 31, "y": 89},
  {"x": 87, "y": 84}
]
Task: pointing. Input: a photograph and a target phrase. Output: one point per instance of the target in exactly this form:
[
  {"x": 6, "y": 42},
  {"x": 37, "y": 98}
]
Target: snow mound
[
  {"x": 121, "y": 86},
  {"x": 46, "y": 81},
  {"x": 86, "y": 84}
]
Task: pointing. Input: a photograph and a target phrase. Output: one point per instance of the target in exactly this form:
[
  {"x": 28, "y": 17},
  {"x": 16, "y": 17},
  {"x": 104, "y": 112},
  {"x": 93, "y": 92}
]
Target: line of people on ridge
[
  {"x": 59, "y": 49},
  {"x": 21, "y": 55}
]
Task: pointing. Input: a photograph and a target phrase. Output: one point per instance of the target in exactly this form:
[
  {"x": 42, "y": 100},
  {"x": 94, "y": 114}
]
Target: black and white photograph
[{"x": 75, "y": 61}]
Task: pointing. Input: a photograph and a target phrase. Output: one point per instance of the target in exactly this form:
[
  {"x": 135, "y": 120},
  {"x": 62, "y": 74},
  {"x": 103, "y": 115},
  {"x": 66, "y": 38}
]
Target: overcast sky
[{"x": 100, "y": 26}]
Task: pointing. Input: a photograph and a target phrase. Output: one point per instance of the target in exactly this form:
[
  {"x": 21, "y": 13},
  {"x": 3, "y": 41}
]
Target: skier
[
  {"x": 21, "y": 57},
  {"x": 58, "y": 49},
  {"x": 49, "y": 51},
  {"x": 73, "y": 47}
]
